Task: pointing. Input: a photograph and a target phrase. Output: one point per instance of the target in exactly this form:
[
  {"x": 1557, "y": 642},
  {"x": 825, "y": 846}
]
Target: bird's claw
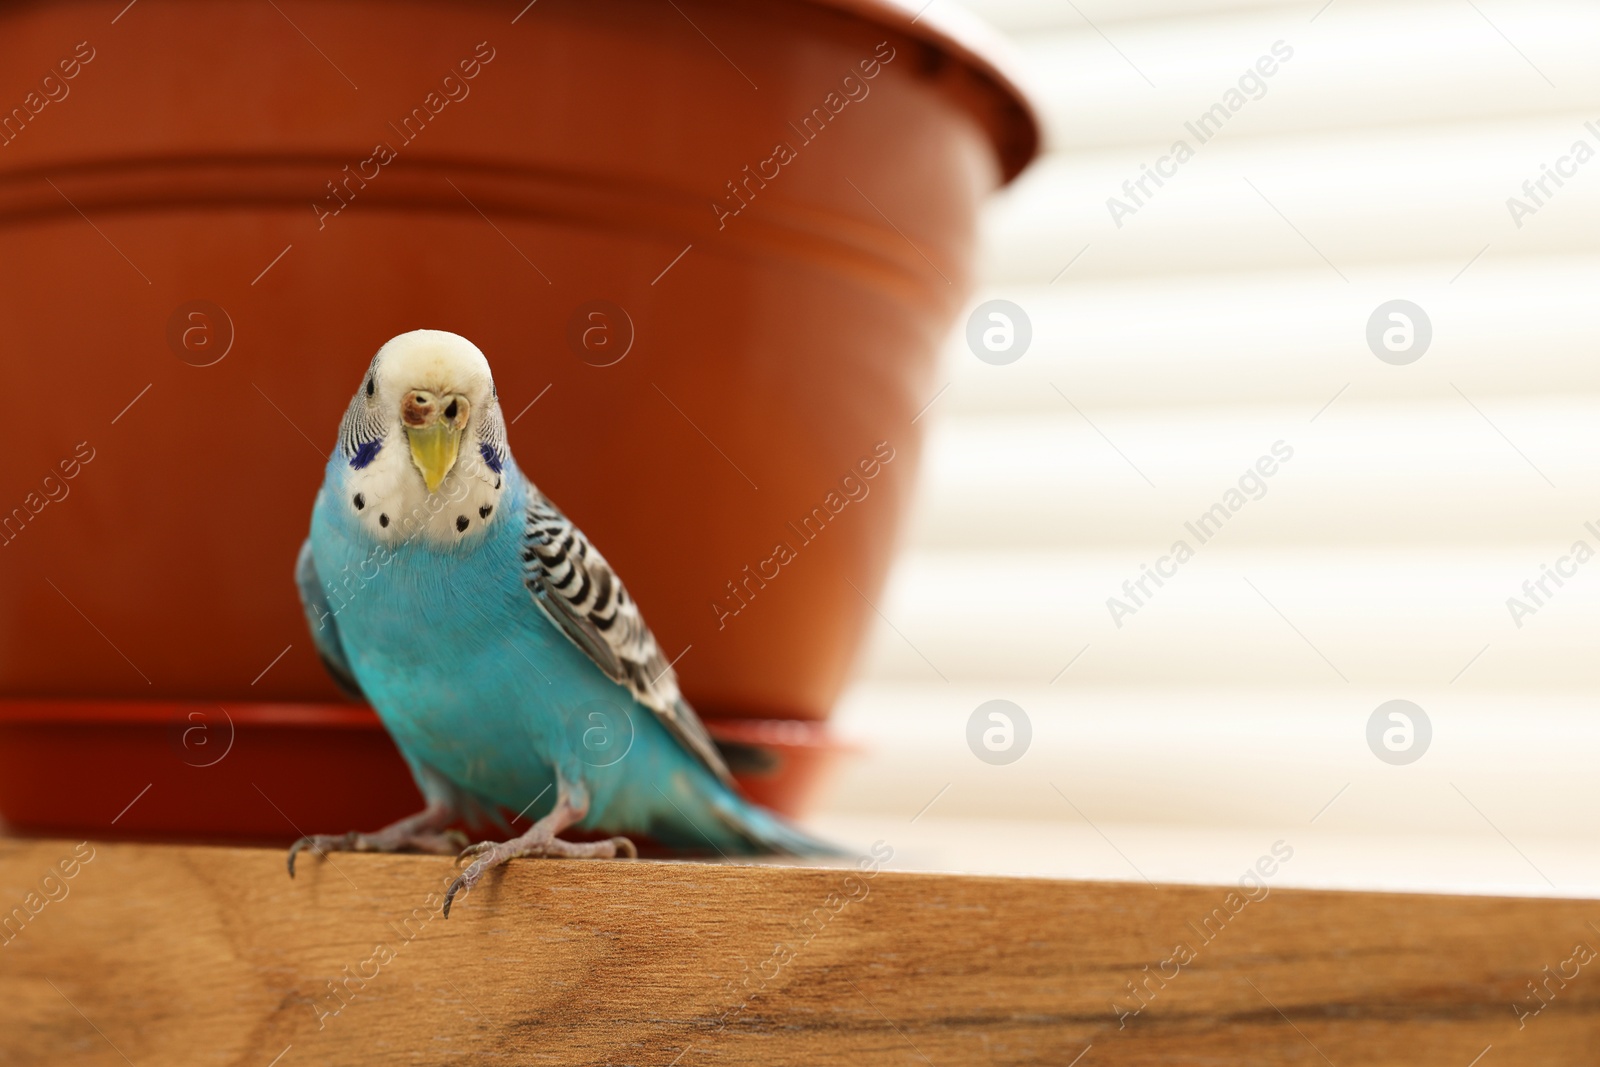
[
  {"x": 321, "y": 844},
  {"x": 450, "y": 894}
]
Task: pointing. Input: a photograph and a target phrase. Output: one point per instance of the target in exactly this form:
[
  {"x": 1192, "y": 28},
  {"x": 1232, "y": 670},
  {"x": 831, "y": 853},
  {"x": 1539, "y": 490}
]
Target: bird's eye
[{"x": 369, "y": 386}]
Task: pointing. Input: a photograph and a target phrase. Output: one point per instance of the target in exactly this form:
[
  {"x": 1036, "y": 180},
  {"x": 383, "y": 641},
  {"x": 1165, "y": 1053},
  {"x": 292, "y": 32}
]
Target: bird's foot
[
  {"x": 396, "y": 838},
  {"x": 487, "y": 855}
]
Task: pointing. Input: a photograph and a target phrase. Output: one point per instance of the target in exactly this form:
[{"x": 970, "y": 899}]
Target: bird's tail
[{"x": 763, "y": 832}]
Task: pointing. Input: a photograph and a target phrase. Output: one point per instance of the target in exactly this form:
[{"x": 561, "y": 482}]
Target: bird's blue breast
[{"x": 465, "y": 671}]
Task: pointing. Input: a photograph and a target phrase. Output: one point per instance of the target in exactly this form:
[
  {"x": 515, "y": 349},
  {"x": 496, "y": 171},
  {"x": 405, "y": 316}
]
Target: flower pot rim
[
  {"x": 981, "y": 48},
  {"x": 59, "y": 712}
]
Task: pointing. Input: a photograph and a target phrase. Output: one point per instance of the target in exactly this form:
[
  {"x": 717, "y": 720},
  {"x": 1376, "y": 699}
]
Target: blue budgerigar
[{"x": 500, "y": 649}]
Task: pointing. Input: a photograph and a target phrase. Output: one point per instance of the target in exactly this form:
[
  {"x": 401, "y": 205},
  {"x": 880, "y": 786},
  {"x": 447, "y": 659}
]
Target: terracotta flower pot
[{"x": 710, "y": 248}]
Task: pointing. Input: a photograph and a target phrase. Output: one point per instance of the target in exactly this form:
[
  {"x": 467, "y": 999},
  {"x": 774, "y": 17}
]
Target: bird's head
[{"x": 425, "y": 423}]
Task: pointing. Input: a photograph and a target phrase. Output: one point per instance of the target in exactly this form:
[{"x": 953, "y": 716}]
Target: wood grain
[{"x": 186, "y": 955}]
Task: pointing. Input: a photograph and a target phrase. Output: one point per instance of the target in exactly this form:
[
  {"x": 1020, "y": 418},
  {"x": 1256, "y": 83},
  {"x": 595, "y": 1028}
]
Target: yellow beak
[{"x": 433, "y": 450}]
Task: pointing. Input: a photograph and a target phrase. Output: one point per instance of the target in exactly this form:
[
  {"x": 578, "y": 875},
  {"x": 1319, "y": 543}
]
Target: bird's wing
[
  {"x": 577, "y": 589},
  {"x": 324, "y": 629}
]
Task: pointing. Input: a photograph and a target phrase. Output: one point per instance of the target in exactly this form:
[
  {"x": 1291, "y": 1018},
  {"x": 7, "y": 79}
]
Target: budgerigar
[{"x": 501, "y": 651}]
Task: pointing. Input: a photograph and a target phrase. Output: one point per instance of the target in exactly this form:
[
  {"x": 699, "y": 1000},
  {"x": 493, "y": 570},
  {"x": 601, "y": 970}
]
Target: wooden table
[{"x": 190, "y": 955}]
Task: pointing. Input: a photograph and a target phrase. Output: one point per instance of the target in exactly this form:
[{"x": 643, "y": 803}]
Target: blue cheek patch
[
  {"x": 365, "y": 454},
  {"x": 491, "y": 458}
]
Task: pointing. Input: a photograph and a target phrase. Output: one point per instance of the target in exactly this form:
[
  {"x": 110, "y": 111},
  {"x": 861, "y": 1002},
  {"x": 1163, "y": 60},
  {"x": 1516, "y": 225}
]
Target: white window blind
[{"x": 1224, "y": 318}]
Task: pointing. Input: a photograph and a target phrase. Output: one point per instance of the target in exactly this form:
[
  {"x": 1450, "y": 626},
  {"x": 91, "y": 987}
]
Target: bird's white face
[{"x": 423, "y": 441}]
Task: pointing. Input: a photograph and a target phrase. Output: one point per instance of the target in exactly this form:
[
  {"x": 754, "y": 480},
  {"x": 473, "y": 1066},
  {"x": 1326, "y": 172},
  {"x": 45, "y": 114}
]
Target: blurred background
[{"x": 1175, "y": 341}]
